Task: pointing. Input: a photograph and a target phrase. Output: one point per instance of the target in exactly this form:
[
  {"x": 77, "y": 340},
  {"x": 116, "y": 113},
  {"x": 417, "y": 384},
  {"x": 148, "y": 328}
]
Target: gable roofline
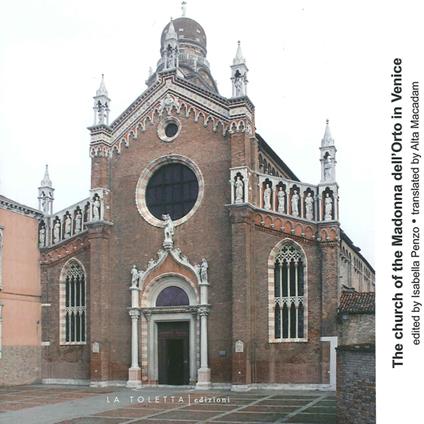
[
  {"x": 208, "y": 95},
  {"x": 344, "y": 237},
  {"x": 12, "y": 205},
  {"x": 264, "y": 146}
]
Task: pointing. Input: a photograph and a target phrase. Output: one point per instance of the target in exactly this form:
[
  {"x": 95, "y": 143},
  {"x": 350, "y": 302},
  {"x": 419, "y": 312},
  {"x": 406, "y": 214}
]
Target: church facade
[{"x": 198, "y": 258}]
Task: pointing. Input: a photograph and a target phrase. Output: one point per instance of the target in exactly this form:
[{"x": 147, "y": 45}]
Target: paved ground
[{"x": 82, "y": 405}]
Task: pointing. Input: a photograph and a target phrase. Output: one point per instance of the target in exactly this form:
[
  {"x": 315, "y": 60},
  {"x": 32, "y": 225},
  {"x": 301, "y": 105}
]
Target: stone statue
[
  {"x": 168, "y": 230},
  {"x": 295, "y": 203},
  {"x": 238, "y": 86},
  {"x": 171, "y": 62},
  {"x": 309, "y": 206},
  {"x": 68, "y": 226},
  {"x": 267, "y": 197},
  {"x": 42, "y": 236},
  {"x": 45, "y": 202},
  {"x": 78, "y": 222},
  {"x": 56, "y": 231},
  {"x": 328, "y": 209},
  {"x": 238, "y": 185},
  {"x": 204, "y": 270},
  {"x": 151, "y": 263},
  {"x": 96, "y": 208},
  {"x": 327, "y": 167},
  {"x": 180, "y": 254},
  {"x": 134, "y": 276},
  {"x": 280, "y": 196}
]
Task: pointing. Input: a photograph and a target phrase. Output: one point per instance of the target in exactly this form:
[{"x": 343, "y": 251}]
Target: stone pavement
[{"x": 42, "y": 404}]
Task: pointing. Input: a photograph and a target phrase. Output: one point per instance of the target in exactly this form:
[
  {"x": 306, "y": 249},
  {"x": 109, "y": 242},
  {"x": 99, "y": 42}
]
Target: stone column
[
  {"x": 134, "y": 373},
  {"x": 204, "y": 373}
]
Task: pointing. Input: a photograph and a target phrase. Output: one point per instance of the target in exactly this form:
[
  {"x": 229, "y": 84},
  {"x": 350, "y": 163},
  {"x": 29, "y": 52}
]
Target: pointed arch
[
  {"x": 287, "y": 293},
  {"x": 73, "y": 303}
]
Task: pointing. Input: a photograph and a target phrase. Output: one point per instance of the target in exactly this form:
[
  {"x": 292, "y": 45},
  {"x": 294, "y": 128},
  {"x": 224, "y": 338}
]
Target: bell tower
[
  {"x": 45, "y": 194},
  {"x": 170, "y": 49},
  {"x": 328, "y": 157},
  {"x": 239, "y": 74},
  {"x": 101, "y": 105}
]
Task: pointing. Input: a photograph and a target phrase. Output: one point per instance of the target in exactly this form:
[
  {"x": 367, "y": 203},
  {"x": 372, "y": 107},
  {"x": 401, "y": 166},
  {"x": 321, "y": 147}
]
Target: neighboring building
[
  {"x": 20, "y": 328},
  {"x": 356, "y": 359},
  {"x": 355, "y": 271},
  {"x": 197, "y": 246}
]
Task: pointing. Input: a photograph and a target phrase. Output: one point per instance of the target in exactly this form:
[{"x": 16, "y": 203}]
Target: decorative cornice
[
  {"x": 13, "y": 206},
  {"x": 67, "y": 248},
  {"x": 190, "y": 100},
  {"x": 162, "y": 254}
]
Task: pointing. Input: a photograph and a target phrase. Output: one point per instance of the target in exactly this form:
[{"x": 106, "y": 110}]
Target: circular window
[
  {"x": 169, "y": 129},
  {"x": 172, "y": 189}
]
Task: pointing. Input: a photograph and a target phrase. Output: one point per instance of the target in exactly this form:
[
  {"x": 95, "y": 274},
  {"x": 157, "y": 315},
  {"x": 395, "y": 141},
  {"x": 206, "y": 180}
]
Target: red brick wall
[
  {"x": 64, "y": 362},
  {"x": 356, "y": 386},
  {"x": 205, "y": 234}
]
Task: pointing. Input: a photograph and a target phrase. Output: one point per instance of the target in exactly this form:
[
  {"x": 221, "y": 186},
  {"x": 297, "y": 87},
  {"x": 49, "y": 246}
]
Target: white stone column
[
  {"x": 302, "y": 203},
  {"x": 134, "y": 372},
  {"x": 204, "y": 373}
]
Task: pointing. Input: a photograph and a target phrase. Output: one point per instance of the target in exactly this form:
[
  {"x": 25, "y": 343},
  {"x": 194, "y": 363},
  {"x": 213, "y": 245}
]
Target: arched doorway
[{"x": 171, "y": 326}]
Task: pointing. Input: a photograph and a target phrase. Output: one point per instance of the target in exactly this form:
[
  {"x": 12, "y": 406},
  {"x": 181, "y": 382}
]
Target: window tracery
[
  {"x": 289, "y": 294},
  {"x": 73, "y": 304}
]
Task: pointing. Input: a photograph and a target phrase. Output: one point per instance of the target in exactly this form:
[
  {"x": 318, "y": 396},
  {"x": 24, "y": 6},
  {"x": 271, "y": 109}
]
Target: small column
[
  {"x": 302, "y": 204},
  {"x": 204, "y": 372},
  {"x": 134, "y": 373}
]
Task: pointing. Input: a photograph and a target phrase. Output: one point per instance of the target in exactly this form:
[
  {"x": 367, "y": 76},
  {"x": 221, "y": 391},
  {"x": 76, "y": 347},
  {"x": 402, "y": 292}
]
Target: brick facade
[
  {"x": 216, "y": 137},
  {"x": 356, "y": 385},
  {"x": 356, "y": 359}
]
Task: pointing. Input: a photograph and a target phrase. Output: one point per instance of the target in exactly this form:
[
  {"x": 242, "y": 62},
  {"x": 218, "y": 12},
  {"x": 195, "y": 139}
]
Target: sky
[{"x": 308, "y": 61}]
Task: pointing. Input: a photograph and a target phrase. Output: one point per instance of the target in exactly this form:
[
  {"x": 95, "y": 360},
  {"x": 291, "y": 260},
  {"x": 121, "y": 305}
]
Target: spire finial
[
  {"x": 171, "y": 34},
  {"x": 102, "y": 88},
  {"x": 46, "y": 181},
  {"x": 239, "y": 55},
  {"x": 327, "y": 140},
  {"x": 183, "y": 8}
]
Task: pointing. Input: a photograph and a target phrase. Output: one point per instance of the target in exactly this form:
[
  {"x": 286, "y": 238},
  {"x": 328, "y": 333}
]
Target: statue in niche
[
  {"x": 238, "y": 185},
  {"x": 78, "y": 222},
  {"x": 96, "y": 208},
  {"x": 281, "y": 199},
  {"x": 328, "y": 208},
  {"x": 204, "y": 270},
  {"x": 267, "y": 197},
  {"x": 42, "y": 236},
  {"x": 168, "y": 230},
  {"x": 100, "y": 112},
  {"x": 238, "y": 84},
  {"x": 327, "y": 167},
  {"x": 45, "y": 202},
  {"x": 56, "y": 231},
  {"x": 134, "y": 276},
  {"x": 171, "y": 58},
  {"x": 295, "y": 203},
  {"x": 68, "y": 226},
  {"x": 309, "y": 206}
]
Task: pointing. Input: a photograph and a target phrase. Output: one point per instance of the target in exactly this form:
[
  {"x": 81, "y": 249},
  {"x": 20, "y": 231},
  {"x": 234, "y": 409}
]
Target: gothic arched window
[
  {"x": 289, "y": 294},
  {"x": 73, "y": 303}
]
